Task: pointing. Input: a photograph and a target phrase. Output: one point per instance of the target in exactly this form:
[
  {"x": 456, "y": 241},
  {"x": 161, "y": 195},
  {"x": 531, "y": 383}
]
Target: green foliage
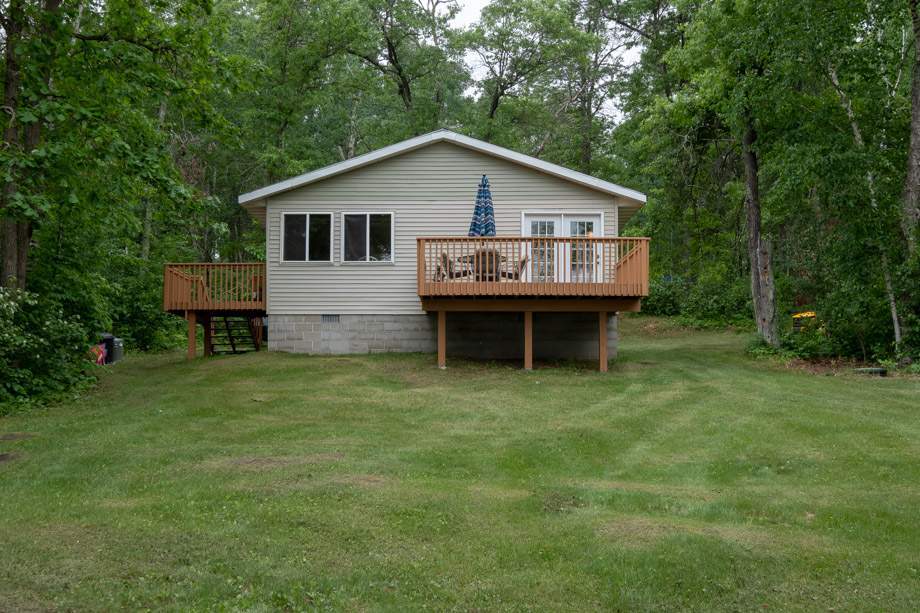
[
  {"x": 42, "y": 353},
  {"x": 702, "y": 302},
  {"x": 136, "y": 307},
  {"x": 666, "y": 296},
  {"x": 811, "y": 341},
  {"x": 138, "y": 124},
  {"x": 825, "y": 86}
]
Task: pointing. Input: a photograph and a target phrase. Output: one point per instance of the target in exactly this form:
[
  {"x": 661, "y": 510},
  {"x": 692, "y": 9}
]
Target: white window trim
[
  {"x": 367, "y": 239},
  {"x": 307, "y": 238},
  {"x": 562, "y": 215}
]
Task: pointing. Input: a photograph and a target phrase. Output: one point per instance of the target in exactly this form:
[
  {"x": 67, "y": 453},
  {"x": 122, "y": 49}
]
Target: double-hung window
[
  {"x": 367, "y": 237},
  {"x": 306, "y": 237}
]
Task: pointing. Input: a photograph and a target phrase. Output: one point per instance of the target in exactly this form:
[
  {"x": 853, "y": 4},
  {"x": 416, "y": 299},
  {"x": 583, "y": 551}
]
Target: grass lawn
[{"x": 689, "y": 477}]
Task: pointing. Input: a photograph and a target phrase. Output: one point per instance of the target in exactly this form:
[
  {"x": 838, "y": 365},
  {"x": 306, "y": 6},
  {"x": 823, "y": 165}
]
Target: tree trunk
[
  {"x": 873, "y": 202},
  {"x": 17, "y": 233},
  {"x": 892, "y": 303},
  {"x": 910, "y": 217},
  {"x": 147, "y": 227},
  {"x": 760, "y": 251},
  {"x": 12, "y": 76},
  {"x": 587, "y": 124}
]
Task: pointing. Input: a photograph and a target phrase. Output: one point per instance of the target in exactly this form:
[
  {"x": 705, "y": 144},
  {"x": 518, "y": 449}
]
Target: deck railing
[
  {"x": 533, "y": 266},
  {"x": 214, "y": 287}
]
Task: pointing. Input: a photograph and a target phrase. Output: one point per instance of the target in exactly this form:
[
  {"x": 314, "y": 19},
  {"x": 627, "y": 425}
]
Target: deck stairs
[{"x": 235, "y": 334}]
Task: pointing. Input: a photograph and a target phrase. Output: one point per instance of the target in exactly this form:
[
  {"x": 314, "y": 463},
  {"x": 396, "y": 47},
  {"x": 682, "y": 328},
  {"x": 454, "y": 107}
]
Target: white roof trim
[{"x": 437, "y": 137}]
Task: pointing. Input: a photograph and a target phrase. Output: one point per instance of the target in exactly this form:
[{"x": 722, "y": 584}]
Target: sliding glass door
[{"x": 562, "y": 261}]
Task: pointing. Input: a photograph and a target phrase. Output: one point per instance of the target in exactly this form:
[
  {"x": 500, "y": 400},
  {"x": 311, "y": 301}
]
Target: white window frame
[
  {"x": 562, "y": 214},
  {"x": 307, "y": 238},
  {"x": 367, "y": 238}
]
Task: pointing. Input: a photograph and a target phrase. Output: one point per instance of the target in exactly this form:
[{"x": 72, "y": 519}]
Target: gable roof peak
[{"x": 441, "y": 135}]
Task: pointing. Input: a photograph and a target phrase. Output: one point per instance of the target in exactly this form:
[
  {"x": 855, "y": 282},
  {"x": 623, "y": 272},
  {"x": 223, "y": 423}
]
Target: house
[{"x": 371, "y": 254}]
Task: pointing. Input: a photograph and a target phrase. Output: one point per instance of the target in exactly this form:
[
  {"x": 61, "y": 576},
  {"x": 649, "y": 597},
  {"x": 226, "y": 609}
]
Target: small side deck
[{"x": 227, "y": 299}]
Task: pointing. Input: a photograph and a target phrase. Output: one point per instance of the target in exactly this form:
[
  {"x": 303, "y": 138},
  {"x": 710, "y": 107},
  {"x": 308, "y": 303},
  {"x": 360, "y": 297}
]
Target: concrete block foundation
[{"x": 484, "y": 335}]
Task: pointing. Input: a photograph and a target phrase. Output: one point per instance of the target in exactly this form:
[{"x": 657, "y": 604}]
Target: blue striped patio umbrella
[{"x": 483, "y": 222}]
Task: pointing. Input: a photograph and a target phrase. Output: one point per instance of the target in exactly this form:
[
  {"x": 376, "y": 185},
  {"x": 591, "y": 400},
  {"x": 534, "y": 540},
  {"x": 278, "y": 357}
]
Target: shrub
[
  {"x": 719, "y": 300},
  {"x": 41, "y": 352},
  {"x": 812, "y": 341},
  {"x": 665, "y": 296},
  {"x": 712, "y": 300}
]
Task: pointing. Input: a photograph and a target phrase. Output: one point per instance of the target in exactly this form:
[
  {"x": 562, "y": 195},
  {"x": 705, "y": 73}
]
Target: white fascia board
[{"x": 436, "y": 137}]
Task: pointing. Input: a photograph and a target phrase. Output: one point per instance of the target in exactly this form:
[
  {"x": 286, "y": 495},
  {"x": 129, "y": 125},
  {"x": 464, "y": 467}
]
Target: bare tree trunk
[
  {"x": 347, "y": 151},
  {"x": 760, "y": 251},
  {"x": 431, "y": 7},
  {"x": 587, "y": 124},
  {"x": 910, "y": 218},
  {"x": 873, "y": 202},
  {"x": 147, "y": 228},
  {"x": 892, "y": 303}
]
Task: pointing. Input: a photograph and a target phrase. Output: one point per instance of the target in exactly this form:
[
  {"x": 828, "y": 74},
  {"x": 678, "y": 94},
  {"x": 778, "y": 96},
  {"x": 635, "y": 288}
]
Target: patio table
[{"x": 483, "y": 264}]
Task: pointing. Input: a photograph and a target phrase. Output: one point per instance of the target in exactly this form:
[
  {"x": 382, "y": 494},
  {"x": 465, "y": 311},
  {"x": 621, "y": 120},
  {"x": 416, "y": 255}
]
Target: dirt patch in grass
[
  {"x": 561, "y": 502},
  {"x": 825, "y": 367},
  {"x": 8, "y": 457},
  {"x": 269, "y": 462},
  {"x": 15, "y": 436},
  {"x": 639, "y": 532}
]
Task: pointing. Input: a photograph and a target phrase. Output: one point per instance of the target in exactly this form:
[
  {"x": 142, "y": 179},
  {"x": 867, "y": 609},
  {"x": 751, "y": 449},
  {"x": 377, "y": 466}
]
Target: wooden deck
[
  {"x": 532, "y": 274},
  {"x": 514, "y": 266},
  {"x": 214, "y": 287},
  {"x": 228, "y": 300}
]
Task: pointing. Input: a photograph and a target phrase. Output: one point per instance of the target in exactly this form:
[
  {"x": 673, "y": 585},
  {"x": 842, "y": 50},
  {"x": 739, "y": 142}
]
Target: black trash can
[{"x": 118, "y": 350}]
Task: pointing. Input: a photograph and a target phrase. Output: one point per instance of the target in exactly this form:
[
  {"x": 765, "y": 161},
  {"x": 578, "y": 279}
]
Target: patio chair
[
  {"x": 446, "y": 270},
  {"x": 518, "y": 272},
  {"x": 487, "y": 264}
]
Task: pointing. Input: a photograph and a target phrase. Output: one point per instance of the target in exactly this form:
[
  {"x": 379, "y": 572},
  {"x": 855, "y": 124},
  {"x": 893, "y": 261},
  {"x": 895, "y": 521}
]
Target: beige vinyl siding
[
  {"x": 258, "y": 211},
  {"x": 431, "y": 192}
]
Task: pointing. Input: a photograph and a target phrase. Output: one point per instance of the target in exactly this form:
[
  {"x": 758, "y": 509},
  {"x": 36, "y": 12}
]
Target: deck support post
[
  {"x": 208, "y": 341},
  {"x": 442, "y": 339},
  {"x": 192, "y": 318},
  {"x": 602, "y": 340},
  {"x": 528, "y": 340}
]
